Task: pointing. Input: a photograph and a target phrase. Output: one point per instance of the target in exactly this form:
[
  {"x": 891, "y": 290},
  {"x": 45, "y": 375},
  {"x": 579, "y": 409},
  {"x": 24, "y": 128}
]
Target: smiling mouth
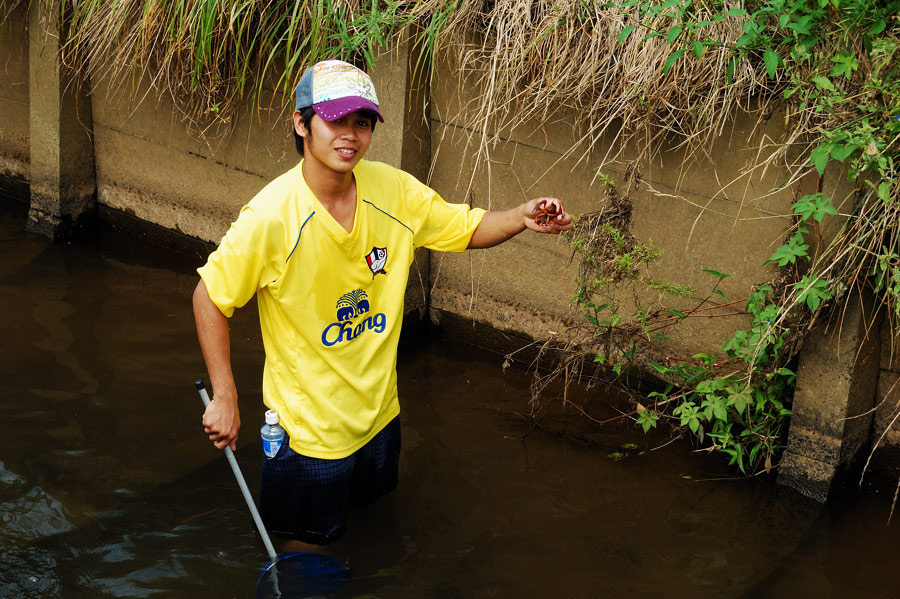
[{"x": 346, "y": 151}]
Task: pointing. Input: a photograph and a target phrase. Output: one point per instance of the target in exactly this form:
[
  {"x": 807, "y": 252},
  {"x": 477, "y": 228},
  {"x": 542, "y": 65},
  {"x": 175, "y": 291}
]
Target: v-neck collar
[{"x": 331, "y": 225}]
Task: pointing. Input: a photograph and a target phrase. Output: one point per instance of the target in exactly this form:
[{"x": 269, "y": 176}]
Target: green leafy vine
[{"x": 834, "y": 71}]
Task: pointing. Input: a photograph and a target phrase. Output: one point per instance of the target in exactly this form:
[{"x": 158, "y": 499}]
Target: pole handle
[{"x": 236, "y": 469}]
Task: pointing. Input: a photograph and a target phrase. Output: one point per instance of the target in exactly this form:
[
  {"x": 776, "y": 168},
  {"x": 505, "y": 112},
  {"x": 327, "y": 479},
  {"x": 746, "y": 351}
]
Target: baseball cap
[{"x": 335, "y": 88}]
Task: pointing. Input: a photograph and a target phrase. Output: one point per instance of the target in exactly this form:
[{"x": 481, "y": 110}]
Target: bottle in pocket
[{"x": 272, "y": 434}]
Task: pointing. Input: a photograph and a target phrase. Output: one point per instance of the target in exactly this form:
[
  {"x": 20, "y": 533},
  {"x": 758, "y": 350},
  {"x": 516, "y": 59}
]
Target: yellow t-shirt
[{"x": 331, "y": 302}]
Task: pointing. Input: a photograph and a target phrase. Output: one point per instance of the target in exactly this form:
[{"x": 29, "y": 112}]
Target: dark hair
[{"x": 307, "y": 114}]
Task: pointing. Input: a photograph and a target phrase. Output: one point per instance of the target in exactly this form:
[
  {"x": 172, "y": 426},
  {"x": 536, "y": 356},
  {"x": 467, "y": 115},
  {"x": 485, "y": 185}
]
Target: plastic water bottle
[{"x": 272, "y": 434}]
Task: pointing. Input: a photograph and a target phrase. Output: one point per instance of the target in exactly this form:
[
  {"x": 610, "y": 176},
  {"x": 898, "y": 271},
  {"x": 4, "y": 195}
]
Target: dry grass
[
  {"x": 210, "y": 56},
  {"x": 532, "y": 58},
  {"x": 542, "y": 58}
]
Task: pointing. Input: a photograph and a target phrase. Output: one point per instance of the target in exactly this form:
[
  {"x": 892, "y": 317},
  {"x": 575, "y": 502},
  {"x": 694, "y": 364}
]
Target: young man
[{"x": 327, "y": 248}]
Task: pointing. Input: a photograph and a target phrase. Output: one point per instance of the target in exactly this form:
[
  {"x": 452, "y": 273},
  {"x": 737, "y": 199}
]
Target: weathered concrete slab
[
  {"x": 63, "y": 186},
  {"x": 403, "y": 141},
  {"x": 149, "y": 165},
  {"x": 890, "y": 347},
  {"x": 886, "y": 430},
  {"x": 833, "y": 403},
  {"x": 14, "y": 121},
  {"x": 701, "y": 224},
  {"x": 525, "y": 284},
  {"x": 887, "y": 401}
]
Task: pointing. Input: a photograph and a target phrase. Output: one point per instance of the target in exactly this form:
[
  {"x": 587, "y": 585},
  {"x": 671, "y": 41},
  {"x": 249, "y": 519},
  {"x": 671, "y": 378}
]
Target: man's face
[{"x": 337, "y": 145}]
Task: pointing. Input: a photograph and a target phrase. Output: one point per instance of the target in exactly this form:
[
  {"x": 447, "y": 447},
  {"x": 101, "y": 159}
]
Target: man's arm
[
  {"x": 221, "y": 420},
  {"x": 499, "y": 226}
]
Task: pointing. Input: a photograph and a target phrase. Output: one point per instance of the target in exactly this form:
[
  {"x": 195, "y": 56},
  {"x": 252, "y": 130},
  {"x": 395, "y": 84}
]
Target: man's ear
[{"x": 299, "y": 125}]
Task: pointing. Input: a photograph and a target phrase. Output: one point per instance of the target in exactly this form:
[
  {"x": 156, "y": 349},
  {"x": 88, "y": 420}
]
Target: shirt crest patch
[{"x": 377, "y": 259}]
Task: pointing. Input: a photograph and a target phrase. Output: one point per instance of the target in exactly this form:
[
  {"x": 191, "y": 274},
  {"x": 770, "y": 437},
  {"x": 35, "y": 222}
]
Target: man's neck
[{"x": 335, "y": 191}]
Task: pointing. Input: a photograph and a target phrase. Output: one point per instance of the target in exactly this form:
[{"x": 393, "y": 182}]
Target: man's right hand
[{"x": 221, "y": 421}]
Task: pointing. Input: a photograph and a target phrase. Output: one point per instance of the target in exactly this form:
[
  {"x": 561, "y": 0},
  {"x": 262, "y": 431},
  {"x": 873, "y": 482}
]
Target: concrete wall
[
  {"x": 14, "y": 124},
  {"x": 717, "y": 222},
  {"x": 833, "y": 404},
  {"x": 150, "y": 166},
  {"x": 887, "y": 395},
  {"x": 61, "y": 154}
]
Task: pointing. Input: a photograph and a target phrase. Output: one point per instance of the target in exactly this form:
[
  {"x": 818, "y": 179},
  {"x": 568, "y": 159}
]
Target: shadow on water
[{"x": 109, "y": 489}]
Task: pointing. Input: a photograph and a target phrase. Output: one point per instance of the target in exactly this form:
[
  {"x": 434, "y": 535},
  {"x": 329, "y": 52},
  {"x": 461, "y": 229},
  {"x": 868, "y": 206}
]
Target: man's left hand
[{"x": 547, "y": 215}]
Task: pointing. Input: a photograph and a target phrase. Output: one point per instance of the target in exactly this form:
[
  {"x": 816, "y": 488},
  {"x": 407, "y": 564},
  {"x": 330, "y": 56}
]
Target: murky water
[{"x": 108, "y": 488}]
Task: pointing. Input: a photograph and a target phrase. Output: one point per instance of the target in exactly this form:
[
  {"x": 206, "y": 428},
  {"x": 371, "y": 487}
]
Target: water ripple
[{"x": 35, "y": 514}]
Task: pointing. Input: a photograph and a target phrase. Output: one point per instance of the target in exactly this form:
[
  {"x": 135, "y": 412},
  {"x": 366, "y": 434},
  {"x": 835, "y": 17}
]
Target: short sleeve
[
  {"x": 246, "y": 260},
  {"x": 446, "y": 227}
]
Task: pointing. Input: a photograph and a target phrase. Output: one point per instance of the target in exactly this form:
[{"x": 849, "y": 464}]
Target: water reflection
[{"x": 108, "y": 488}]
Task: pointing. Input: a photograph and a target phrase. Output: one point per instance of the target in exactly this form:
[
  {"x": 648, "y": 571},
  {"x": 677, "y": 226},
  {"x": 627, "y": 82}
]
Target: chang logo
[
  {"x": 352, "y": 305},
  {"x": 349, "y": 307}
]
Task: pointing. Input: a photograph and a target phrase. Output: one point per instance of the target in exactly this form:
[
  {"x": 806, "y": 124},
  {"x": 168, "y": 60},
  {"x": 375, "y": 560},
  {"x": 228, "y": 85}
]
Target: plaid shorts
[{"x": 308, "y": 499}]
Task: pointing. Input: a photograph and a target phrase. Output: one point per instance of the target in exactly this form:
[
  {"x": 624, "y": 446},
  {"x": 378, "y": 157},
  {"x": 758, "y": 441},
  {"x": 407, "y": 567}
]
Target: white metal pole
[{"x": 270, "y": 549}]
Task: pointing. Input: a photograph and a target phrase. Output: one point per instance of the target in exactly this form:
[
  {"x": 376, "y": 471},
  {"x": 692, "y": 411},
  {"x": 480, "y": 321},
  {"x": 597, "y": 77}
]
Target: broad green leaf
[
  {"x": 819, "y": 157},
  {"x": 772, "y": 61},
  {"x": 815, "y": 205},
  {"x": 823, "y": 210},
  {"x": 878, "y": 27},
  {"x": 740, "y": 401},
  {"x": 698, "y": 48},
  {"x": 720, "y": 411},
  {"x": 626, "y": 32},
  {"x": 823, "y": 83},
  {"x": 788, "y": 254},
  {"x": 674, "y": 32},
  {"x": 845, "y": 64},
  {"x": 884, "y": 191},
  {"x": 676, "y": 312},
  {"x": 715, "y": 273},
  {"x": 841, "y": 151},
  {"x": 754, "y": 451},
  {"x": 647, "y": 419},
  {"x": 812, "y": 291},
  {"x": 672, "y": 58}
]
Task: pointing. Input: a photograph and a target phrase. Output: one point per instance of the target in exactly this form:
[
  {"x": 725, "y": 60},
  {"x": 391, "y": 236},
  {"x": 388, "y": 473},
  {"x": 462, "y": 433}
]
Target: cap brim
[{"x": 332, "y": 110}]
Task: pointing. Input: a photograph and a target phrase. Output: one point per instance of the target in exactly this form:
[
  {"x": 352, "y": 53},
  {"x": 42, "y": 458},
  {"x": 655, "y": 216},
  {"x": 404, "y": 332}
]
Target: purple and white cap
[{"x": 335, "y": 88}]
